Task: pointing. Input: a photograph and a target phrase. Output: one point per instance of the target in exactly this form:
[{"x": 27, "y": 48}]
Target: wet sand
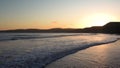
[{"x": 101, "y": 56}]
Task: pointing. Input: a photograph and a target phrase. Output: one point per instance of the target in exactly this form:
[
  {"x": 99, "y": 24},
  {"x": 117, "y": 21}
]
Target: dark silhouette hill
[{"x": 111, "y": 27}]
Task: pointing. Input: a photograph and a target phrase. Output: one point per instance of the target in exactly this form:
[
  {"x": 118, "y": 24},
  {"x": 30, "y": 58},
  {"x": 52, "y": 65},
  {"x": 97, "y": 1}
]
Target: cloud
[{"x": 54, "y": 22}]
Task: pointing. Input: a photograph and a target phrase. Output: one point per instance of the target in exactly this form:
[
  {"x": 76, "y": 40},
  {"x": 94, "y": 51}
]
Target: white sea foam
[{"x": 45, "y": 48}]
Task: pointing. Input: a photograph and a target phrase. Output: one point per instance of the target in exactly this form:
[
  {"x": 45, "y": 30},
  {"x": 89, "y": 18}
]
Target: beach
[
  {"x": 37, "y": 50},
  {"x": 100, "y": 56}
]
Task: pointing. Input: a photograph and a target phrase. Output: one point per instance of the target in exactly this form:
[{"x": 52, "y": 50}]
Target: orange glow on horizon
[{"x": 98, "y": 19}]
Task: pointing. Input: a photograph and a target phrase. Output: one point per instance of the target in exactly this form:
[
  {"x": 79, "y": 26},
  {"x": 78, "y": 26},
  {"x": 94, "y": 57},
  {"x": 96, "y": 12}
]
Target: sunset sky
[{"x": 45, "y": 14}]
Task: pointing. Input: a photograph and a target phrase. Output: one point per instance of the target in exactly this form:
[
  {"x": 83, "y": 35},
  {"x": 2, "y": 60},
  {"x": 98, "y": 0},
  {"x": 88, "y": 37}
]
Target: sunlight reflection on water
[{"x": 103, "y": 56}]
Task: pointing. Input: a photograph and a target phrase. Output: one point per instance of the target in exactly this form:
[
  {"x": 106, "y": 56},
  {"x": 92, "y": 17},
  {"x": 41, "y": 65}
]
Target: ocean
[{"x": 36, "y": 50}]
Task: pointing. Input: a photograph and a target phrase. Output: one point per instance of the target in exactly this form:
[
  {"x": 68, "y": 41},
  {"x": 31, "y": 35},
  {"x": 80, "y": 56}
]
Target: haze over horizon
[{"x": 46, "y": 14}]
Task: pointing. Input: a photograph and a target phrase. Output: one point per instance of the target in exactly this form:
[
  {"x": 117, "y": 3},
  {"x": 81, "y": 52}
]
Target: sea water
[{"x": 36, "y": 50}]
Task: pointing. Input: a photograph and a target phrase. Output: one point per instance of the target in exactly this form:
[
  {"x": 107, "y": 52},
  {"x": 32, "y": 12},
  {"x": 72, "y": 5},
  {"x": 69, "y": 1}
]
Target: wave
[
  {"x": 71, "y": 51},
  {"x": 21, "y": 36},
  {"x": 40, "y": 52}
]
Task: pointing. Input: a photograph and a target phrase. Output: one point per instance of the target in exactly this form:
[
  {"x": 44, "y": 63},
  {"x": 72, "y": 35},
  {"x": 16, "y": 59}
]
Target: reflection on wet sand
[{"x": 103, "y": 56}]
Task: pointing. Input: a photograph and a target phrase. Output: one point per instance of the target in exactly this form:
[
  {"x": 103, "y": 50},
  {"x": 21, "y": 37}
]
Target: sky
[{"x": 46, "y": 14}]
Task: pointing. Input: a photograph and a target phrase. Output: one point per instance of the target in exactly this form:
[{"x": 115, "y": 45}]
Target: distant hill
[{"x": 111, "y": 27}]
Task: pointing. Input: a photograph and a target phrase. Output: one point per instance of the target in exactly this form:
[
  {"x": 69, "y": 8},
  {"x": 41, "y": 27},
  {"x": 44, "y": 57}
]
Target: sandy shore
[{"x": 102, "y": 56}]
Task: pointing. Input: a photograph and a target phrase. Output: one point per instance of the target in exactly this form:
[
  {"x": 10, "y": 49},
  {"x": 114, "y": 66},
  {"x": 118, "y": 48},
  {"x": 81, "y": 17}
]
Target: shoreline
[
  {"x": 39, "y": 53},
  {"x": 73, "y": 61}
]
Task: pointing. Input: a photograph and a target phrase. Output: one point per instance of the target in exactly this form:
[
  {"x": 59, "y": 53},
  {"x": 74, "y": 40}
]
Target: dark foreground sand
[{"x": 102, "y": 56}]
